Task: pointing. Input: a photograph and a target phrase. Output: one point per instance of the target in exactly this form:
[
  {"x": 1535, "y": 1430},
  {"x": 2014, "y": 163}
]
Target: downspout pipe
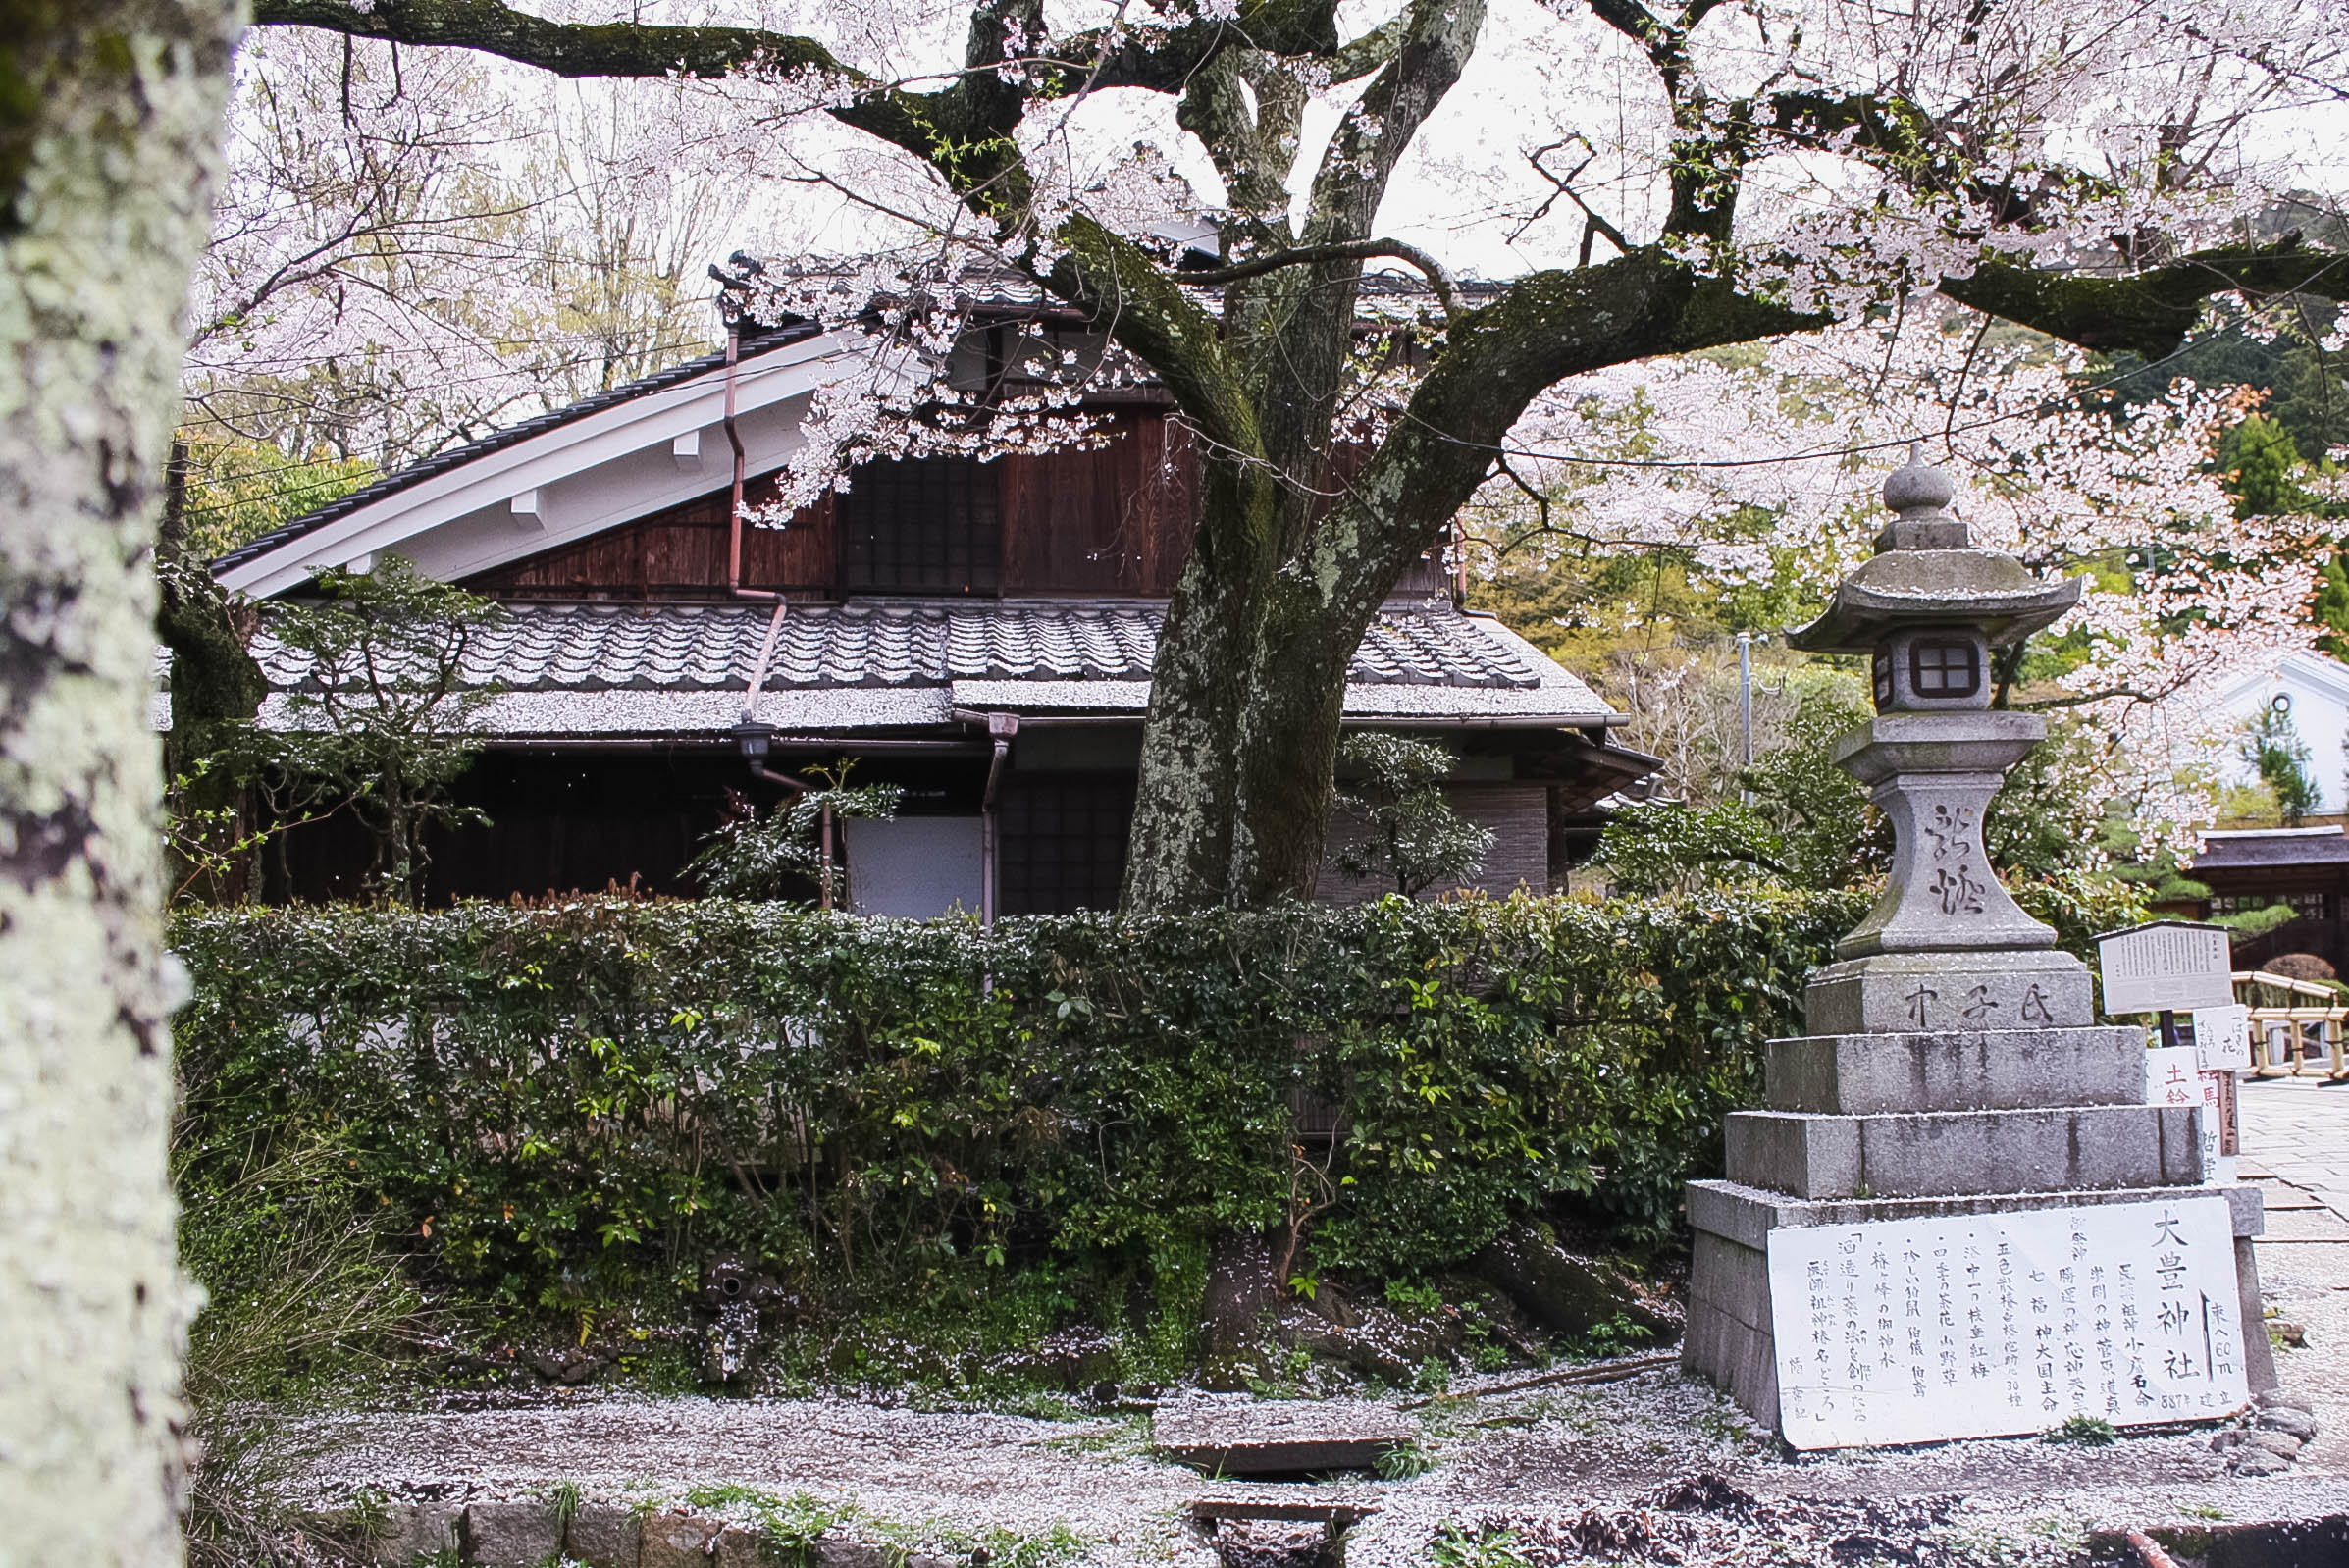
[
  {"x": 750, "y": 734},
  {"x": 734, "y": 586},
  {"x": 1000, "y": 727}
]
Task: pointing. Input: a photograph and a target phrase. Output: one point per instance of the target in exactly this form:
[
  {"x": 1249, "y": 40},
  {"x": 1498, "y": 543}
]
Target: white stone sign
[
  {"x": 2222, "y": 1037},
  {"x": 2173, "y": 1075},
  {"x": 2002, "y": 1325},
  {"x": 2168, "y": 967}
]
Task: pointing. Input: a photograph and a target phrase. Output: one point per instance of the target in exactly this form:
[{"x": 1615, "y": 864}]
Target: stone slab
[
  {"x": 2306, "y": 1224},
  {"x": 1904, "y": 993},
  {"x": 416, "y": 1530},
  {"x": 1280, "y": 1437},
  {"x": 605, "y": 1534},
  {"x": 679, "y": 1541},
  {"x": 510, "y": 1534},
  {"x": 1985, "y": 1070},
  {"x": 1946, "y": 1154},
  {"x": 1747, "y": 1215},
  {"x": 1732, "y": 1226}
]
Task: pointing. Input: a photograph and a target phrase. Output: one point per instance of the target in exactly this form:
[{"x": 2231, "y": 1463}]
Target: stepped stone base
[
  {"x": 1993, "y": 1070},
  {"x": 1896, "y": 993},
  {"x": 1947, "y": 1153},
  {"x": 1729, "y": 1338}
]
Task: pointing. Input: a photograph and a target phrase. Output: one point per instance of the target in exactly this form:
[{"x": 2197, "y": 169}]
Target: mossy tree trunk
[{"x": 109, "y": 129}]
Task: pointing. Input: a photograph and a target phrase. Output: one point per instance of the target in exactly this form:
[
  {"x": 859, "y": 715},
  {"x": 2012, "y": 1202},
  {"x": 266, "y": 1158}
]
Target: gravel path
[{"x": 1655, "y": 1468}]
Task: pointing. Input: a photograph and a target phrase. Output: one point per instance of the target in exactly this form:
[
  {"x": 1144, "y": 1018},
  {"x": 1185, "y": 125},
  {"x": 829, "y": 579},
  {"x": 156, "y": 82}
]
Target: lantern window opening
[{"x": 1944, "y": 666}]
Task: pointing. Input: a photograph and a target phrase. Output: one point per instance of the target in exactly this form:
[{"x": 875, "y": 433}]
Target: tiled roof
[
  {"x": 680, "y": 670},
  {"x": 497, "y": 440},
  {"x": 595, "y": 647},
  {"x": 2277, "y": 847}
]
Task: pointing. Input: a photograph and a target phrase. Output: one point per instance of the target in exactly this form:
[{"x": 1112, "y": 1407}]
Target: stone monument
[{"x": 1954, "y": 1072}]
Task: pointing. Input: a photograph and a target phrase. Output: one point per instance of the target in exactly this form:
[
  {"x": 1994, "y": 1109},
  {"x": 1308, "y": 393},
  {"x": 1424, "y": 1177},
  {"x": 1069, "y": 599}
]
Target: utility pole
[{"x": 1745, "y": 692}]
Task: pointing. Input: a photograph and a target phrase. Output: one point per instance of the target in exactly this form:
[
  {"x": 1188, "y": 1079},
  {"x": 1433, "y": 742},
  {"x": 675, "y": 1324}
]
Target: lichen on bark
[{"x": 107, "y": 145}]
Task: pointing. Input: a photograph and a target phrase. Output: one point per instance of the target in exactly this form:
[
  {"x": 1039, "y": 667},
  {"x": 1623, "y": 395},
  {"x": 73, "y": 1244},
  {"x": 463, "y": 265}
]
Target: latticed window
[
  {"x": 925, "y": 525},
  {"x": 1944, "y": 666},
  {"x": 1062, "y": 843},
  {"x": 2307, "y": 905}
]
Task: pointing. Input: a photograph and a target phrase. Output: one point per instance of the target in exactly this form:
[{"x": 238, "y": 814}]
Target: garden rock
[
  {"x": 2226, "y": 1439},
  {"x": 2283, "y": 1418},
  {"x": 2280, "y": 1399},
  {"x": 677, "y": 1541},
  {"x": 1565, "y": 1293},
  {"x": 2280, "y": 1443},
  {"x": 2259, "y": 1462},
  {"x": 737, "y": 1546},
  {"x": 1240, "y": 1290},
  {"x": 605, "y": 1535},
  {"x": 510, "y": 1534},
  {"x": 413, "y": 1530}
]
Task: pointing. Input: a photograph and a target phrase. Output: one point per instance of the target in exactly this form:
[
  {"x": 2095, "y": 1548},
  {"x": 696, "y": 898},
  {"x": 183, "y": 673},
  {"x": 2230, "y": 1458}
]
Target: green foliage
[
  {"x": 1804, "y": 822},
  {"x": 1403, "y": 1461},
  {"x": 566, "y": 1109},
  {"x": 562, "y": 1112},
  {"x": 1390, "y": 791},
  {"x": 755, "y": 858},
  {"x": 2258, "y": 923},
  {"x": 1458, "y": 1546},
  {"x": 2082, "y": 1432},
  {"x": 2274, "y": 749},
  {"x": 241, "y": 490},
  {"x": 385, "y": 719},
  {"x": 2263, "y": 468}
]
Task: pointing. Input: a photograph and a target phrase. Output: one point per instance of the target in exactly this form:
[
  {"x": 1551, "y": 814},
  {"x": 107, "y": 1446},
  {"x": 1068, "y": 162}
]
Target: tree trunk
[{"x": 107, "y": 137}]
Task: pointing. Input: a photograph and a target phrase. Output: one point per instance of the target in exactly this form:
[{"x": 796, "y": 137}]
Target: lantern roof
[{"x": 1926, "y": 573}]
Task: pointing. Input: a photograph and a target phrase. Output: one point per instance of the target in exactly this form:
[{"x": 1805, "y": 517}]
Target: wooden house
[{"x": 978, "y": 632}]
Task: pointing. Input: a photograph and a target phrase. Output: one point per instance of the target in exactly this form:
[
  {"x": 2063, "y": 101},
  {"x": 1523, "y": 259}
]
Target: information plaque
[
  {"x": 2165, "y": 965},
  {"x": 2002, "y": 1325}
]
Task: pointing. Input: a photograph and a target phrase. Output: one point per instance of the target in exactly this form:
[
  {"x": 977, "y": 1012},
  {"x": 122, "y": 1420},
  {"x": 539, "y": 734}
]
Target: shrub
[{"x": 570, "y": 1106}]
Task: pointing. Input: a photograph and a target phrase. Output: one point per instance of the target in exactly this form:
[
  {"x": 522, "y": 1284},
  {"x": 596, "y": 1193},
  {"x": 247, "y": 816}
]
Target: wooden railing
[{"x": 2293, "y": 1024}]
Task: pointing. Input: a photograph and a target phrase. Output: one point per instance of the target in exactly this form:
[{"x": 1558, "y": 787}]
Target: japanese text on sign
[{"x": 1998, "y": 1325}]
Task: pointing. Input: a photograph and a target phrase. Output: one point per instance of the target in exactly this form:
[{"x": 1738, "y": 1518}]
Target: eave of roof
[{"x": 457, "y": 457}]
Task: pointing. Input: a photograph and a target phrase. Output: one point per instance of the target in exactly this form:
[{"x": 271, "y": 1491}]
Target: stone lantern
[
  {"x": 1929, "y": 610},
  {"x": 1956, "y": 1179}
]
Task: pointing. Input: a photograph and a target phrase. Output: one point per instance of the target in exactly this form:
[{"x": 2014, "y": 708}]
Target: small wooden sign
[{"x": 2167, "y": 967}]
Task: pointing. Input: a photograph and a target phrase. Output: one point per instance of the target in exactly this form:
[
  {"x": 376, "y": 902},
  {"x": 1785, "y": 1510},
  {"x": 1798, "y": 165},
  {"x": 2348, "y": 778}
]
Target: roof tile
[{"x": 868, "y": 645}]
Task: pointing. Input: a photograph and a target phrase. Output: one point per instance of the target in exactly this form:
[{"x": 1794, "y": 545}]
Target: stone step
[
  {"x": 1942, "y": 1154},
  {"x": 1279, "y": 1437},
  {"x": 1748, "y": 1215},
  {"x": 1984, "y": 1070}
]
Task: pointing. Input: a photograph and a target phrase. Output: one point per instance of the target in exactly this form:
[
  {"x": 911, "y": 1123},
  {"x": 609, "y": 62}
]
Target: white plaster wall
[
  {"x": 918, "y": 867},
  {"x": 2319, "y": 689}
]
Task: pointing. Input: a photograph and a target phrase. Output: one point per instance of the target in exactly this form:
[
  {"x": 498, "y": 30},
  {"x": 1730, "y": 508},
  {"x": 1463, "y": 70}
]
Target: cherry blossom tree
[
  {"x": 1767, "y": 470},
  {"x": 1206, "y": 182},
  {"x": 415, "y": 246}
]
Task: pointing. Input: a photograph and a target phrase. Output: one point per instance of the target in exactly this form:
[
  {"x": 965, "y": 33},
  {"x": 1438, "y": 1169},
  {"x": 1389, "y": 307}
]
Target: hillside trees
[{"x": 1661, "y": 181}]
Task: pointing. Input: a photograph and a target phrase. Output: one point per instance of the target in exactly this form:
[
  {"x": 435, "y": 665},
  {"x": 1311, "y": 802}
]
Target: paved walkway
[{"x": 2295, "y": 1131}]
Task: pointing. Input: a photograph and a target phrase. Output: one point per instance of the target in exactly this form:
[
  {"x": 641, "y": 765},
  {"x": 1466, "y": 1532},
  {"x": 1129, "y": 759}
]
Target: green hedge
[{"x": 565, "y": 1107}]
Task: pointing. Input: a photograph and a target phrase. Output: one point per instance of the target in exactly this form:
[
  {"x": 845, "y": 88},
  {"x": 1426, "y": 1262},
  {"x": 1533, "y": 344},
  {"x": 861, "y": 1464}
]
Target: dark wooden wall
[
  {"x": 1113, "y": 519},
  {"x": 680, "y": 554}
]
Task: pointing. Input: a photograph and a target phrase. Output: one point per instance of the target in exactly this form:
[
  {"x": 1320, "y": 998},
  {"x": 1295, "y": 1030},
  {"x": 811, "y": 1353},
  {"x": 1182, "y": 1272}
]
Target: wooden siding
[
  {"x": 1113, "y": 519},
  {"x": 1518, "y": 815},
  {"x": 679, "y": 553}
]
